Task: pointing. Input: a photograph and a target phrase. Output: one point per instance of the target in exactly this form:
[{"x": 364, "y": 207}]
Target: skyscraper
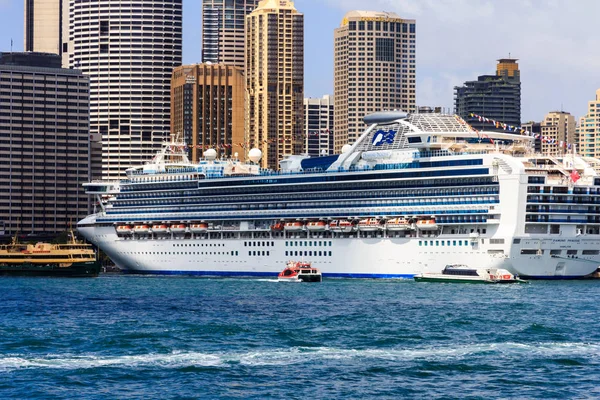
[
  {"x": 318, "y": 126},
  {"x": 496, "y": 97},
  {"x": 44, "y": 151},
  {"x": 374, "y": 69},
  {"x": 588, "y": 131},
  {"x": 223, "y": 30},
  {"x": 44, "y": 25},
  {"x": 128, "y": 49},
  {"x": 274, "y": 80},
  {"x": 207, "y": 108}
]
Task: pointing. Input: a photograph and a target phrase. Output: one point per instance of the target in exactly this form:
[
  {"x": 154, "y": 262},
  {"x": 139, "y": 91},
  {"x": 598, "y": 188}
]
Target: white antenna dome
[
  {"x": 346, "y": 148},
  {"x": 210, "y": 154},
  {"x": 255, "y": 155}
]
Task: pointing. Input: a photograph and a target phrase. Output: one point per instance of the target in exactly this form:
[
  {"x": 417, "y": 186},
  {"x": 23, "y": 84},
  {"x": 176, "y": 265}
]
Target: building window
[{"x": 384, "y": 49}]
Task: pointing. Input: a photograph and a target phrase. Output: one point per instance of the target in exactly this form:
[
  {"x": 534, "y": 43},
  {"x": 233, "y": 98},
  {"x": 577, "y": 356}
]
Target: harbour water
[{"x": 131, "y": 337}]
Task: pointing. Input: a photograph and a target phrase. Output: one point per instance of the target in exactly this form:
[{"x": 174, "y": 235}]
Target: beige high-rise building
[
  {"x": 274, "y": 80},
  {"x": 374, "y": 70},
  {"x": 207, "y": 108},
  {"x": 44, "y": 25},
  {"x": 588, "y": 131},
  {"x": 223, "y": 35},
  {"x": 557, "y": 130}
]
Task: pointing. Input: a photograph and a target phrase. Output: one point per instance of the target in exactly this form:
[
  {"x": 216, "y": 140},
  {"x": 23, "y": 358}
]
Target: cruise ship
[{"x": 415, "y": 193}]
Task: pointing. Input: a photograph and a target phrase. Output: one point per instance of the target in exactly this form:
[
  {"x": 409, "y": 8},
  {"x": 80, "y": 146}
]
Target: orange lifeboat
[
  {"x": 369, "y": 225},
  {"x": 277, "y": 227},
  {"x": 316, "y": 226},
  {"x": 293, "y": 226},
  {"x": 141, "y": 229},
  {"x": 197, "y": 228},
  {"x": 124, "y": 230},
  {"x": 159, "y": 228},
  {"x": 341, "y": 226},
  {"x": 427, "y": 225},
  {"x": 178, "y": 228},
  {"x": 397, "y": 224}
]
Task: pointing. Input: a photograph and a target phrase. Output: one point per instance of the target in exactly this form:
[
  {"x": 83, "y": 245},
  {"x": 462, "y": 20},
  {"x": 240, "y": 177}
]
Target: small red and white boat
[
  {"x": 316, "y": 226},
  {"x": 299, "y": 271},
  {"x": 159, "y": 228},
  {"x": 369, "y": 225},
  {"x": 277, "y": 227},
  {"x": 294, "y": 226},
  {"x": 397, "y": 224},
  {"x": 124, "y": 230},
  {"x": 198, "y": 228},
  {"x": 178, "y": 228},
  {"x": 427, "y": 224},
  {"x": 141, "y": 229},
  {"x": 341, "y": 226}
]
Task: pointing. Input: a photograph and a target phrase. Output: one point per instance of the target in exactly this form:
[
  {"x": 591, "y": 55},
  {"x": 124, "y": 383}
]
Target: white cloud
[{"x": 461, "y": 39}]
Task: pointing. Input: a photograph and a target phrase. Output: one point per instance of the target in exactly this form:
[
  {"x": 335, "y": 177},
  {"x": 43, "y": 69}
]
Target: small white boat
[
  {"x": 397, "y": 224},
  {"x": 459, "y": 273},
  {"x": 178, "y": 228},
  {"x": 427, "y": 224},
  {"x": 299, "y": 271},
  {"x": 294, "y": 226},
  {"x": 160, "y": 228},
  {"x": 341, "y": 226},
  {"x": 141, "y": 229},
  {"x": 124, "y": 230},
  {"x": 198, "y": 228},
  {"x": 316, "y": 226},
  {"x": 369, "y": 225}
]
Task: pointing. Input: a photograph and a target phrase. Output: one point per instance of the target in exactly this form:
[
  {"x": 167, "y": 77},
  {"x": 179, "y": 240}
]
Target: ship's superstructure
[{"x": 415, "y": 193}]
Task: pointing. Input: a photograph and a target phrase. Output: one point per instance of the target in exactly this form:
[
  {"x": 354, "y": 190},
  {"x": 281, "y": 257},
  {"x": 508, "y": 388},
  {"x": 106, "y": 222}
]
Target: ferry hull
[{"x": 77, "y": 270}]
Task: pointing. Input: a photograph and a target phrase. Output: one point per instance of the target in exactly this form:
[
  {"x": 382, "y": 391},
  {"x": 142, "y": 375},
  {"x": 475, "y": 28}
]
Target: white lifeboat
[
  {"x": 397, "y": 224},
  {"x": 316, "y": 226},
  {"x": 159, "y": 228},
  {"x": 341, "y": 226},
  {"x": 369, "y": 225},
  {"x": 124, "y": 230},
  {"x": 197, "y": 228},
  {"x": 141, "y": 229},
  {"x": 293, "y": 226},
  {"x": 427, "y": 224},
  {"x": 178, "y": 228}
]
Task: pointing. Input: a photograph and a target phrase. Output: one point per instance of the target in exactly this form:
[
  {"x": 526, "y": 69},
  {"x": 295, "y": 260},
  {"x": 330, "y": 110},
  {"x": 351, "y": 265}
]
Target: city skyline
[{"x": 520, "y": 29}]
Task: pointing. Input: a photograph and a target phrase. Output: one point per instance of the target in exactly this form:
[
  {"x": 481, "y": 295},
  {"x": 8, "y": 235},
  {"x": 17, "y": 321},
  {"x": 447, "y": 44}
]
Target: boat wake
[{"x": 299, "y": 355}]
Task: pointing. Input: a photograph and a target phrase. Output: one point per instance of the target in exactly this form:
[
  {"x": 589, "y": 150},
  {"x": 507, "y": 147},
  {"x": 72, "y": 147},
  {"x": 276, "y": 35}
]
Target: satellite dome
[
  {"x": 210, "y": 154},
  {"x": 255, "y": 155},
  {"x": 346, "y": 148}
]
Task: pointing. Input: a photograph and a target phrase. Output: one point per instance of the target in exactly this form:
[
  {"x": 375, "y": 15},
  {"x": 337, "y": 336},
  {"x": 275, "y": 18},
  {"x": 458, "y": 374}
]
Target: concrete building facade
[
  {"x": 43, "y": 25},
  {"x": 44, "y": 143},
  {"x": 223, "y": 35},
  {"x": 274, "y": 80},
  {"x": 128, "y": 49},
  {"x": 207, "y": 108},
  {"x": 374, "y": 69},
  {"x": 496, "y": 97},
  {"x": 588, "y": 132},
  {"x": 557, "y": 130},
  {"x": 318, "y": 126}
]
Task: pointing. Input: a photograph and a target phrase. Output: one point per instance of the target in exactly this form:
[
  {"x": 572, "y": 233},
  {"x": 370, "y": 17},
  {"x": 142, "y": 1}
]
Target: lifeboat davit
[
  {"x": 427, "y": 225},
  {"x": 198, "y": 228},
  {"x": 141, "y": 229},
  {"x": 178, "y": 228},
  {"x": 397, "y": 224},
  {"x": 124, "y": 230},
  {"x": 341, "y": 226},
  {"x": 316, "y": 226},
  {"x": 159, "y": 228},
  {"x": 293, "y": 226},
  {"x": 369, "y": 225},
  {"x": 277, "y": 227}
]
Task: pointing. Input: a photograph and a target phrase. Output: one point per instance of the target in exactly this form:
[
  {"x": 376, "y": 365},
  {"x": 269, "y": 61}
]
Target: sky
[{"x": 556, "y": 42}]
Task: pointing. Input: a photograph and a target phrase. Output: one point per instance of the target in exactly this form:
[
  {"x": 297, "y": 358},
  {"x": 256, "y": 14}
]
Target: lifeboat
[
  {"x": 124, "y": 230},
  {"x": 141, "y": 229},
  {"x": 341, "y": 226},
  {"x": 197, "y": 228},
  {"x": 178, "y": 228},
  {"x": 293, "y": 226},
  {"x": 316, "y": 226},
  {"x": 160, "y": 228},
  {"x": 299, "y": 271},
  {"x": 369, "y": 225},
  {"x": 427, "y": 225},
  {"x": 397, "y": 224},
  {"x": 277, "y": 227}
]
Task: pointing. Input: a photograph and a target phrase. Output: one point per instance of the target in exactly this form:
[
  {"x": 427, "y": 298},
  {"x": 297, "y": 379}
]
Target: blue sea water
[{"x": 134, "y": 337}]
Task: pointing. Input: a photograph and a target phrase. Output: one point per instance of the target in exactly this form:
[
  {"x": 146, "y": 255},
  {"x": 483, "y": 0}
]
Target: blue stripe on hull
[
  {"x": 553, "y": 278},
  {"x": 266, "y": 274}
]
